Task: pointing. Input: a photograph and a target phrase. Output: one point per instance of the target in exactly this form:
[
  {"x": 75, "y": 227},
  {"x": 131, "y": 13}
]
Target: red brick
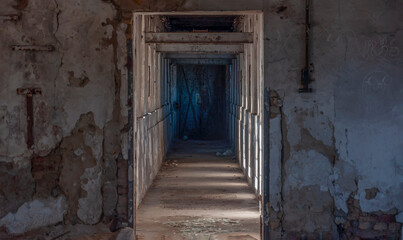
[
  {"x": 386, "y": 218},
  {"x": 394, "y": 226},
  {"x": 368, "y": 234},
  {"x": 312, "y": 236},
  {"x": 122, "y": 164},
  {"x": 122, "y": 190},
  {"x": 274, "y": 224},
  {"x": 367, "y": 219},
  {"x": 293, "y": 236},
  {"x": 122, "y": 181},
  {"x": 365, "y": 225},
  {"x": 327, "y": 236},
  {"x": 122, "y": 200},
  {"x": 347, "y": 224},
  {"x": 380, "y": 226}
]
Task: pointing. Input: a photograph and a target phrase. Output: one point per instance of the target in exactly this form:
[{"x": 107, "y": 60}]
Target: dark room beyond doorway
[{"x": 201, "y": 102}]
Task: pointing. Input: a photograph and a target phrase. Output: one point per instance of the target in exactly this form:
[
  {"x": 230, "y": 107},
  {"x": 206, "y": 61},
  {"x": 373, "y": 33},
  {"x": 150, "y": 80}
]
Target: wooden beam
[
  {"x": 190, "y": 37},
  {"x": 194, "y": 48},
  {"x": 199, "y": 56},
  {"x": 201, "y": 13},
  {"x": 202, "y": 61}
]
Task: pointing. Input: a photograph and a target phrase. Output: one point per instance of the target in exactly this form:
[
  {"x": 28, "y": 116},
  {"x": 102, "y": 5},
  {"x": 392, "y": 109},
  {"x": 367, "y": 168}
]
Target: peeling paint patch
[
  {"x": 284, "y": 9},
  {"x": 281, "y": 9},
  {"x": 308, "y": 209},
  {"x": 78, "y": 81},
  {"x": 309, "y": 142},
  {"x": 16, "y": 186},
  {"x": 80, "y": 152},
  {"x": 306, "y": 168},
  {"x": 90, "y": 205},
  {"x": 21, "y": 5},
  {"x": 34, "y": 214},
  {"x": 371, "y": 193},
  {"x": 46, "y": 172}
]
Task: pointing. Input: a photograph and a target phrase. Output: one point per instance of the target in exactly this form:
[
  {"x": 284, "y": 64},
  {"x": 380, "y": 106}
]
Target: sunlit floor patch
[{"x": 206, "y": 197}]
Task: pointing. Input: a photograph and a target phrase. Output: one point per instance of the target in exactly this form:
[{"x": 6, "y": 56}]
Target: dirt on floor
[{"x": 198, "y": 195}]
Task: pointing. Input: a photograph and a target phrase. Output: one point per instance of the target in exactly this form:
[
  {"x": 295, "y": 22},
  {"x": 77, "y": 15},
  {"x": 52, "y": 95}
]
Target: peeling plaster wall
[
  {"x": 343, "y": 140},
  {"x": 368, "y": 111},
  {"x": 335, "y": 154},
  {"x": 79, "y": 119}
]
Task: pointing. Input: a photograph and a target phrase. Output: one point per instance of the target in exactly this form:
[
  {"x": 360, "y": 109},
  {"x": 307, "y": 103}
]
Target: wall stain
[
  {"x": 78, "y": 81},
  {"x": 308, "y": 142},
  {"x": 370, "y": 193},
  {"x": 285, "y": 155},
  {"x": 283, "y": 9},
  {"x": 76, "y": 156},
  {"x": 20, "y": 5}
]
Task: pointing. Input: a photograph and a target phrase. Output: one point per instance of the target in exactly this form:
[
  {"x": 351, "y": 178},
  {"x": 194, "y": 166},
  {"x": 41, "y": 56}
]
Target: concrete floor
[{"x": 198, "y": 195}]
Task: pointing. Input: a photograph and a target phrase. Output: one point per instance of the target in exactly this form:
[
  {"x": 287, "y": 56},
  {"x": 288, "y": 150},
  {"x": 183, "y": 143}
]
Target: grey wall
[
  {"x": 343, "y": 140},
  {"x": 80, "y": 118},
  {"x": 336, "y": 153}
]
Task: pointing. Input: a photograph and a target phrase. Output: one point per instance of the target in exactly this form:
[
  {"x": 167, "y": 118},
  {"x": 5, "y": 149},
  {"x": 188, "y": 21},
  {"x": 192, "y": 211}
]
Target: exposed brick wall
[
  {"x": 354, "y": 225},
  {"x": 377, "y": 225},
  {"x": 302, "y": 236},
  {"x": 122, "y": 205},
  {"x": 46, "y": 172}
]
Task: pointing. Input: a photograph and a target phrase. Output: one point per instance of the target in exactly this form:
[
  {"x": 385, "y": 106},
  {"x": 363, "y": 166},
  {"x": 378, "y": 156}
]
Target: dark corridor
[{"x": 201, "y": 101}]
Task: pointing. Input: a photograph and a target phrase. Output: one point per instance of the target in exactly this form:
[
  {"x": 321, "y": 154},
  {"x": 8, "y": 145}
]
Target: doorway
[{"x": 198, "y": 76}]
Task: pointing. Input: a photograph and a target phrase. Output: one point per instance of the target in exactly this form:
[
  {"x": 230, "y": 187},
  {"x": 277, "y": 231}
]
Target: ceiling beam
[
  {"x": 208, "y": 38},
  {"x": 204, "y": 61},
  {"x": 199, "y": 56},
  {"x": 194, "y": 48},
  {"x": 202, "y": 13}
]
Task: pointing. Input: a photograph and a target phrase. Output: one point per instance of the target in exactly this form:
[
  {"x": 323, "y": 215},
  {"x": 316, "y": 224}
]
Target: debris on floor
[
  {"x": 227, "y": 153},
  {"x": 169, "y": 164},
  {"x": 203, "y": 197},
  {"x": 204, "y": 226}
]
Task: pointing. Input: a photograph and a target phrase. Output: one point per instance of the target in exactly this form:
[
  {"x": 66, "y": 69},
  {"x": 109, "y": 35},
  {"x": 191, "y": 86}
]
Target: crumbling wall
[
  {"x": 75, "y": 52},
  {"x": 335, "y": 154},
  {"x": 368, "y": 117}
]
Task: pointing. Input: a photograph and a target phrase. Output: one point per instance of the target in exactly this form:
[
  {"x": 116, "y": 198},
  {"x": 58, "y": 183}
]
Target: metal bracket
[
  {"x": 305, "y": 72},
  {"x": 43, "y": 48},
  {"x": 29, "y": 92},
  {"x": 10, "y": 17},
  {"x": 305, "y": 81}
]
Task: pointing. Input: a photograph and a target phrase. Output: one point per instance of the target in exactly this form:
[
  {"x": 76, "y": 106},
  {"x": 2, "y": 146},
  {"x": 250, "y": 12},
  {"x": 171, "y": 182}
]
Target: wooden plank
[
  {"x": 209, "y": 37},
  {"x": 202, "y": 61},
  {"x": 194, "y": 48},
  {"x": 199, "y": 56},
  {"x": 202, "y": 13}
]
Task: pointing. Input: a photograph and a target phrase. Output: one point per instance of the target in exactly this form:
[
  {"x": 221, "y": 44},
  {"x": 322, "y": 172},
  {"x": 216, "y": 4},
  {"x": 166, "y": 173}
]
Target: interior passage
[
  {"x": 199, "y": 195},
  {"x": 197, "y": 127}
]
